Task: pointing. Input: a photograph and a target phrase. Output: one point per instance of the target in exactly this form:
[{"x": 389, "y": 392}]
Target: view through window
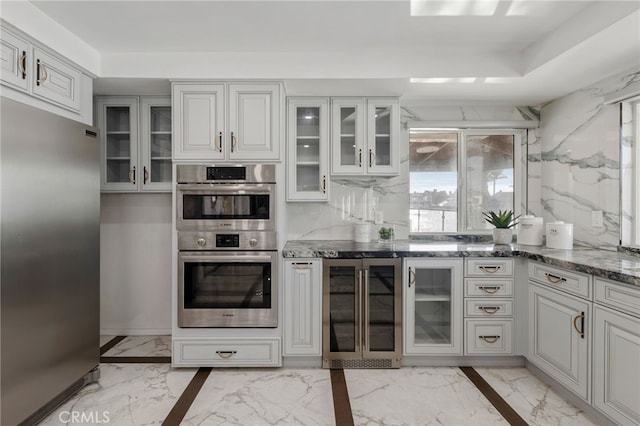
[{"x": 455, "y": 176}]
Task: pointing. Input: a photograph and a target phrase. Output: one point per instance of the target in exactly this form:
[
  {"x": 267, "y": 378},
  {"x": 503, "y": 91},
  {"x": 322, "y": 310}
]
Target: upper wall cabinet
[
  {"x": 135, "y": 135},
  {"x": 226, "y": 121},
  {"x": 36, "y": 74},
  {"x": 365, "y": 136},
  {"x": 307, "y": 149}
]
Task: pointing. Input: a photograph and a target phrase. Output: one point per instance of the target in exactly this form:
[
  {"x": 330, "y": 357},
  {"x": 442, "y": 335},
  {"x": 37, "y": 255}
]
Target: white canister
[
  {"x": 530, "y": 230},
  {"x": 560, "y": 235},
  {"x": 363, "y": 232}
]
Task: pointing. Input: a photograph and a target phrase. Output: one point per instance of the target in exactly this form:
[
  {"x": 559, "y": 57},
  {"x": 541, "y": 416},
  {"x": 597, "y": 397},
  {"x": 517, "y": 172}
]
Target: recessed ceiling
[{"x": 492, "y": 51}]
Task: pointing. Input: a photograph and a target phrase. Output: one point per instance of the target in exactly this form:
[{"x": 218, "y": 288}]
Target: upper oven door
[{"x": 225, "y": 207}]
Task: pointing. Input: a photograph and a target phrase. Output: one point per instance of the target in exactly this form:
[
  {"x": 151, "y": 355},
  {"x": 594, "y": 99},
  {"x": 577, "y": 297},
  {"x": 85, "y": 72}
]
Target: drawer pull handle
[
  {"x": 490, "y": 269},
  {"x": 360, "y": 157},
  {"x": 225, "y": 354},
  {"x": 219, "y": 142},
  {"x": 554, "y": 279},
  {"x": 489, "y": 309},
  {"x": 412, "y": 277},
  {"x": 576, "y": 318},
  {"x": 234, "y": 142},
  {"x": 22, "y": 64},
  {"x": 301, "y": 265},
  {"x": 489, "y": 290},
  {"x": 489, "y": 339}
]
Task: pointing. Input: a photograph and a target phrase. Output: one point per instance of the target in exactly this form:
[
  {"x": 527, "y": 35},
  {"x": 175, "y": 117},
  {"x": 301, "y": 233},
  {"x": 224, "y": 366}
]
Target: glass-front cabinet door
[
  {"x": 383, "y": 121},
  {"x": 362, "y": 320},
  {"x": 433, "y": 306},
  {"x": 308, "y": 153},
  {"x": 117, "y": 120},
  {"x": 156, "y": 143},
  {"x": 347, "y": 136}
]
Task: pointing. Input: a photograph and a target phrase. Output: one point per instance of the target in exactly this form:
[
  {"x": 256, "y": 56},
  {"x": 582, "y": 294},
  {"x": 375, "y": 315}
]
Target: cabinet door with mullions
[
  {"x": 382, "y": 134},
  {"x": 308, "y": 149},
  {"x": 117, "y": 120},
  {"x": 156, "y": 143}
]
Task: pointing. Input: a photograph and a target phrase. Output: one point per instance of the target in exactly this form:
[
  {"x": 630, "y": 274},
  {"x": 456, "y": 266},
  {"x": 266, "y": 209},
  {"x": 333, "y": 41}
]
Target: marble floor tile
[
  {"x": 142, "y": 346},
  {"x": 418, "y": 396},
  {"x": 104, "y": 339},
  {"x": 127, "y": 394},
  {"x": 533, "y": 400},
  {"x": 264, "y": 397}
]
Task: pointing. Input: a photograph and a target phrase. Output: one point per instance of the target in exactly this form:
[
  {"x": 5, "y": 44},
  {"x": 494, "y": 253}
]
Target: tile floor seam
[
  {"x": 110, "y": 344},
  {"x": 182, "y": 405}
]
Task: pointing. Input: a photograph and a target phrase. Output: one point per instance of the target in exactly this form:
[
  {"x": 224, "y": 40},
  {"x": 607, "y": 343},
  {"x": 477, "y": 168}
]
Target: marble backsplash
[
  {"x": 355, "y": 199},
  {"x": 580, "y": 161}
]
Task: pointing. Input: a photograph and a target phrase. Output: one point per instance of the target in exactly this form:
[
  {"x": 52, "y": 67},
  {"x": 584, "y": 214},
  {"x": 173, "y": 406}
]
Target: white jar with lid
[
  {"x": 530, "y": 230},
  {"x": 560, "y": 235},
  {"x": 363, "y": 232}
]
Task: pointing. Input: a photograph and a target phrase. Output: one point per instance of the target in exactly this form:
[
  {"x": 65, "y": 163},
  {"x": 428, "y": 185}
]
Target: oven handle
[
  {"x": 227, "y": 258},
  {"x": 257, "y": 188}
]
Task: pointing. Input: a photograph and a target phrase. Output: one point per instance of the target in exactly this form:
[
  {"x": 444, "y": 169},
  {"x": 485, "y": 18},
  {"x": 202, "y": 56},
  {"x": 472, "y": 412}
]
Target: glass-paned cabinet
[
  {"x": 433, "y": 306},
  {"x": 362, "y": 319},
  {"x": 365, "y": 134},
  {"x": 135, "y": 133},
  {"x": 308, "y": 153}
]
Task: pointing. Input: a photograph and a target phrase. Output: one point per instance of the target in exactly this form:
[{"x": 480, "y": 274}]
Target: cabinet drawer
[
  {"x": 481, "y": 287},
  {"x": 488, "y": 308},
  {"x": 489, "y": 267},
  {"x": 226, "y": 353},
  {"x": 619, "y": 296},
  {"x": 561, "y": 279},
  {"x": 488, "y": 337}
]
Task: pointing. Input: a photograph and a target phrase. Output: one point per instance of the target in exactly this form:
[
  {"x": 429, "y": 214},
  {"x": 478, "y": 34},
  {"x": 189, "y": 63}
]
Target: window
[{"x": 456, "y": 175}]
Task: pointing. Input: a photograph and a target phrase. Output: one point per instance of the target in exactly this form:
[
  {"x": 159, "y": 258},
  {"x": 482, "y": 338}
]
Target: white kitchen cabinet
[
  {"x": 303, "y": 299},
  {"x": 308, "y": 149},
  {"x": 616, "y": 365},
  {"x": 56, "y": 81},
  {"x": 14, "y": 61},
  {"x": 42, "y": 78},
  {"x": 135, "y": 135},
  {"x": 227, "y": 352},
  {"x": 488, "y": 305},
  {"x": 432, "y": 306},
  {"x": 365, "y": 136},
  {"x": 559, "y": 337},
  {"x": 226, "y": 121}
]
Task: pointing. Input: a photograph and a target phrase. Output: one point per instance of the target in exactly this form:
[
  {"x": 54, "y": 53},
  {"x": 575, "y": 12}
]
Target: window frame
[{"x": 519, "y": 175}]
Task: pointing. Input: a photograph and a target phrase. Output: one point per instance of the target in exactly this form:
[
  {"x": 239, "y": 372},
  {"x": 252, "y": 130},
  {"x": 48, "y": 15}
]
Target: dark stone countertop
[{"x": 617, "y": 266}]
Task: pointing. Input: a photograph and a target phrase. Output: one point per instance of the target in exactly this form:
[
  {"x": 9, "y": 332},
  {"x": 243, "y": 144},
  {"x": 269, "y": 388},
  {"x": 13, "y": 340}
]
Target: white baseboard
[{"x": 135, "y": 332}]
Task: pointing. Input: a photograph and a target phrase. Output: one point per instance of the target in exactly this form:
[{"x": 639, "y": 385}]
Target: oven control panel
[
  {"x": 213, "y": 241},
  {"x": 227, "y": 240}
]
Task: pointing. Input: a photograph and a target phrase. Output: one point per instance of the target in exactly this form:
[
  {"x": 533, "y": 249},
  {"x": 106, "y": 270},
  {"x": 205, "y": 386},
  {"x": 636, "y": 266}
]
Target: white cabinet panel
[
  {"x": 488, "y": 287},
  {"x": 303, "y": 302},
  {"x": 198, "y": 121},
  {"x": 488, "y": 337},
  {"x": 570, "y": 281},
  {"x": 258, "y": 352},
  {"x": 56, "y": 81},
  {"x": 15, "y": 71},
  {"x": 559, "y": 336},
  {"x": 489, "y": 267},
  {"x": 616, "y": 365},
  {"x": 618, "y": 296}
]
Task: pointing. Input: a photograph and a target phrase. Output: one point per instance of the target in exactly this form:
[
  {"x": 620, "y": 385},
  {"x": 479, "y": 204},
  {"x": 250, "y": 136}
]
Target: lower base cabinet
[
  {"x": 303, "y": 302},
  {"x": 559, "y": 337},
  {"x": 258, "y": 352},
  {"x": 616, "y": 358},
  {"x": 488, "y": 337}
]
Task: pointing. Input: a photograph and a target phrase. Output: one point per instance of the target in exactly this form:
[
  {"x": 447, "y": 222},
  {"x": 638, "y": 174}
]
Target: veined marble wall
[
  {"x": 580, "y": 161},
  {"x": 352, "y": 199}
]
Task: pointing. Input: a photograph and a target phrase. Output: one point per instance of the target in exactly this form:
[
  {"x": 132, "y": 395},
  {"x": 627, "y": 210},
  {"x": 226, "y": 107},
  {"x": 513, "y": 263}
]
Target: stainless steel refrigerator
[{"x": 50, "y": 271}]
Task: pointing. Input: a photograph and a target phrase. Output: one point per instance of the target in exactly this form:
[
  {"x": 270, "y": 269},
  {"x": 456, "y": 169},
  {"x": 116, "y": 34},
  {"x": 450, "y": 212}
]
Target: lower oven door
[{"x": 227, "y": 289}]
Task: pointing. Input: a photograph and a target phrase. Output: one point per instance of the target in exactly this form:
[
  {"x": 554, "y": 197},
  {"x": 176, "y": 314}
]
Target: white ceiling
[{"x": 519, "y": 52}]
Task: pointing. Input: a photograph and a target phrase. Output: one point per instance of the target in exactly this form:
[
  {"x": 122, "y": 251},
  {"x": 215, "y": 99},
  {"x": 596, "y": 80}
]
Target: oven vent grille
[{"x": 363, "y": 363}]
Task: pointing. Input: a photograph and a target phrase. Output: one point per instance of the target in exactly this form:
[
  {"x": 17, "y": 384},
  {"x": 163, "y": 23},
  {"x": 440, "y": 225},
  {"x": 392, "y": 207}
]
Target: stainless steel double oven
[{"x": 227, "y": 245}]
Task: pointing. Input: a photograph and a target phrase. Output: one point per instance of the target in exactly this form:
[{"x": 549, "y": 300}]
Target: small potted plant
[
  {"x": 503, "y": 222},
  {"x": 386, "y": 234}
]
